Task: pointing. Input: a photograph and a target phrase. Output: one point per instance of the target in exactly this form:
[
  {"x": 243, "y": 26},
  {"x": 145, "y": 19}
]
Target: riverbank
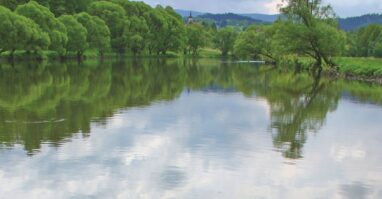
[
  {"x": 351, "y": 68},
  {"x": 362, "y": 69},
  {"x": 21, "y": 55}
]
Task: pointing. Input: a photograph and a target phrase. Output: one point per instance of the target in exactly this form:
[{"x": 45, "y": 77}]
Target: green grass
[
  {"x": 209, "y": 53},
  {"x": 369, "y": 67}
]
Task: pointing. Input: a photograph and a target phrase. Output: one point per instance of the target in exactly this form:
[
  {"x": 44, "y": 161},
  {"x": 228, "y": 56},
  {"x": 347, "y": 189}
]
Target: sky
[{"x": 343, "y": 8}]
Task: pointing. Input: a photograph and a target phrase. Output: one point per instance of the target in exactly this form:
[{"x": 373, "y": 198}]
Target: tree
[
  {"x": 133, "y": 8},
  {"x": 258, "y": 42},
  {"x": 196, "y": 37},
  {"x": 378, "y": 48},
  {"x": 246, "y": 45},
  {"x": 98, "y": 33},
  {"x": 156, "y": 23},
  {"x": 60, "y": 7},
  {"x": 20, "y": 33},
  {"x": 115, "y": 17},
  {"x": 167, "y": 30},
  {"x": 47, "y": 22},
  {"x": 367, "y": 38},
  {"x": 12, "y": 4},
  {"x": 225, "y": 39},
  {"x": 310, "y": 29},
  {"x": 136, "y": 34},
  {"x": 175, "y": 37},
  {"x": 77, "y": 34}
]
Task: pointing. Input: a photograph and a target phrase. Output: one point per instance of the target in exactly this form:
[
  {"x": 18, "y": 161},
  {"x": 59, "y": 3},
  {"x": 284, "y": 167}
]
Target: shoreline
[{"x": 347, "y": 75}]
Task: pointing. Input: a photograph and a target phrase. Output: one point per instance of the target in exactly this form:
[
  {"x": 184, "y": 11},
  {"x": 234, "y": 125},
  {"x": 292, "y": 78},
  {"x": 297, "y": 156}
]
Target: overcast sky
[{"x": 343, "y": 8}]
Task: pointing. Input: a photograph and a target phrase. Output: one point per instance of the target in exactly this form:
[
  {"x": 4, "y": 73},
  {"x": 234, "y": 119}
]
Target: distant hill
[
  {"x": 255, "y": 16},
  {"x": 354, "y": 23},
  {"x": 186, "y": 13},
  {"x": 262, "y": 17},
  {"x": 229, "y": 19},
  {"x": 347, "y": 24}
]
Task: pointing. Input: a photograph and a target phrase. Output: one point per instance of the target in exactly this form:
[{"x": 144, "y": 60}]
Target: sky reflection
[{"x": 203, "y": 145}]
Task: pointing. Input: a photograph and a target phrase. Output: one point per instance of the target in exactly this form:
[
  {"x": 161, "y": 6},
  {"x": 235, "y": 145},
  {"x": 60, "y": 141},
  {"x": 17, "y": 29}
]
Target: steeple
[{"x": 190, "y": 19}]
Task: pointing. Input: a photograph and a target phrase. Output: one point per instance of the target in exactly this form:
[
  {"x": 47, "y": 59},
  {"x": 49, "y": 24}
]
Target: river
[{"x": 186, "y": 129}]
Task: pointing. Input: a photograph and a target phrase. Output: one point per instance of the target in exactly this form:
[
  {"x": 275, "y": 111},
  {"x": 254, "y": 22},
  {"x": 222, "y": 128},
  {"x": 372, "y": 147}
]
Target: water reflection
[
  {"x": 48, "y": 103},
  {"x": 185, "y": 129}
]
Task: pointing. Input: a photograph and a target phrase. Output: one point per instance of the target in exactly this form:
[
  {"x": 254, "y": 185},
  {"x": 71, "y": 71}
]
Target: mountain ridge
[{"x": 347, "y": 24}]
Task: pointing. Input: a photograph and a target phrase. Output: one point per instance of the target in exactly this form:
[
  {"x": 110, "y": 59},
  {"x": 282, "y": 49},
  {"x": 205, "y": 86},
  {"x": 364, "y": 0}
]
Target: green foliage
[
  {"x": 98, "y": 33},
  {"x": 60, "y": 7},
  {"x": 366, "y": 41},
  {"x": 47, "y": 22},
  {"x": 310, "y": 29},
  {"x": 228, "y": 19},
  {"x": 196, "y": 37},
  {"x": 137, "y": 34},
  {"x": 20, "y": 33},
  {"x": 360, "y": 66},
  {"x": 115, "y": 17},
  {"x": 12, "y": 4},
  {"x": 225, "y": 40},
  {"x": 256, "y": 42},
  {"x": 246, "y": 46},
  {"x": 171, "y": 35},
  {"x": 77, "y": 34},
  {"x": 378, "y": 48},
  {"x": 133, "y": 8}
]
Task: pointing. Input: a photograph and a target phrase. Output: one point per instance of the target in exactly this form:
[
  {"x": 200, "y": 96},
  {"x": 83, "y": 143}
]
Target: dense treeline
[
  {"x": 307, "y": 29},
  {"x": 366, "y": 42},
  {"x": 117, "y": 26}
]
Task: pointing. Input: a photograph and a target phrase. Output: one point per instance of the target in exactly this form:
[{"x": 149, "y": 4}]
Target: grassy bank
[{"x": 363, "y": 67}]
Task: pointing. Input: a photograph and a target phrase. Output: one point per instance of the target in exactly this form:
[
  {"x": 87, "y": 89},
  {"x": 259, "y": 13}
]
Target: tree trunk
[
  {"x": 328, "y": 61},
  {"x": 79, "y": 56},
  {"x": 11, "y": 54}
]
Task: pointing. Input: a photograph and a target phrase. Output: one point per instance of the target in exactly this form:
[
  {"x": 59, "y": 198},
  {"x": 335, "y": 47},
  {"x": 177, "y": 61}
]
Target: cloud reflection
[{"x": 182, "y": 149}]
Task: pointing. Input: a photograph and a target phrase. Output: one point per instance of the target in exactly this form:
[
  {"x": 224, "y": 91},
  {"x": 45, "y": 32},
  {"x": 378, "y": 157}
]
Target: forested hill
[
  {"x": 354, "y": 23},
  {"x": 186, "y": 13},
  {"x": 263, "y": 17},
  {"x": 347, "y": 24},
  {"x": 229, "y": 19},
  {"x": 255, "y": 16}
]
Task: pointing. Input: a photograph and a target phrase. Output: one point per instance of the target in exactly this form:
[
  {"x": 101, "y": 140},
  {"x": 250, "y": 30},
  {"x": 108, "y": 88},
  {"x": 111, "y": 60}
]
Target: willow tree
[
  {"x": 98, "y": 35},
  {"x": 311, "y": 29},
  {"x": 47, "y": 22},
  {"x": 225, "y": 40},
  {"x": 196, "y": 38},
  {"x": 115, "y": 17},
  {"x": 77, "y": 35},
  {"x": 20, "y": 33},
  {"x": 256, "y": 42}
]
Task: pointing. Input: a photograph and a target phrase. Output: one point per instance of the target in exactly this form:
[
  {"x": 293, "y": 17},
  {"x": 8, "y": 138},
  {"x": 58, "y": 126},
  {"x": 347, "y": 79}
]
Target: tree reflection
[
  {"x": 49, "y": 103},
  {"x": 301, "y": 106}
]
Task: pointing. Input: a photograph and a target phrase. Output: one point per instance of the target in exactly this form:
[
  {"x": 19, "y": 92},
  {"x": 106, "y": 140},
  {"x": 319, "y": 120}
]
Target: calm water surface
[{"x": 186, "y": 129}]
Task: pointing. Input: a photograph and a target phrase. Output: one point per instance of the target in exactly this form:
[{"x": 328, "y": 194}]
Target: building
[{"x": 190, "y": 19}]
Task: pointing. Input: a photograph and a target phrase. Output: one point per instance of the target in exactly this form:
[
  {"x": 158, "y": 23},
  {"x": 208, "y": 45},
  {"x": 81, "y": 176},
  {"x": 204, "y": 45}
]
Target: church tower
[{"x": 190, "y": 19}]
